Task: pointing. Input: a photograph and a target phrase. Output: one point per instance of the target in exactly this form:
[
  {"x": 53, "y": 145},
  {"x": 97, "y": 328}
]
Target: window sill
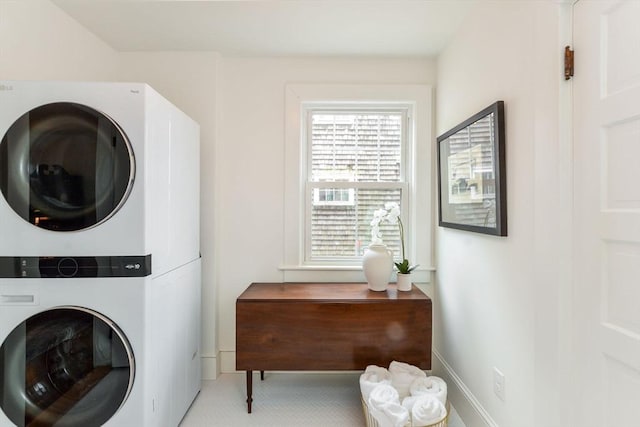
[
  {"x": 341, "y": 273},
  {"x": 311, "y": 267}
]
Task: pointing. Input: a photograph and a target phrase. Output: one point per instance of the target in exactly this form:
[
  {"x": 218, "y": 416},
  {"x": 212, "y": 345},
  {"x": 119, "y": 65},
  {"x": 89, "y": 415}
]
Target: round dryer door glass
[
  {"x": 65, "y": 367},
  {"x": 65, "y": 167}
]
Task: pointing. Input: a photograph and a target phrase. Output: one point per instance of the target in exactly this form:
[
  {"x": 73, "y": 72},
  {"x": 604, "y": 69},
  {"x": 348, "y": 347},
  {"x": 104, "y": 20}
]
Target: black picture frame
[{"x": 472, "y": 188}]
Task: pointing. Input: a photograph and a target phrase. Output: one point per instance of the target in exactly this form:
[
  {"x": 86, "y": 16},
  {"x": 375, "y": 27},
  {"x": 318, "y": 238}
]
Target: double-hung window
[
  {"x": 355, "y": 164},
  {"x": 349, "y": 150}
]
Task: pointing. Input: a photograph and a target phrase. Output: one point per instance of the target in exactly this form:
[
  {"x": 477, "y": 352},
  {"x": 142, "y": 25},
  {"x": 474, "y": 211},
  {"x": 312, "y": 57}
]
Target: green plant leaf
[{"x": 403, "y": 267}]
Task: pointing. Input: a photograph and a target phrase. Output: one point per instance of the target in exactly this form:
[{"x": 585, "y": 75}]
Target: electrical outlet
[{"x": 498, "y": 384}]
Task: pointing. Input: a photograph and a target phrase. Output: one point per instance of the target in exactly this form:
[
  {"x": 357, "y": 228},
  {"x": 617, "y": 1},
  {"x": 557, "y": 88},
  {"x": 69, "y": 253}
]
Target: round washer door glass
[
  {"x": 65, "y": 167},
  {"x": 66, "y": 367}
]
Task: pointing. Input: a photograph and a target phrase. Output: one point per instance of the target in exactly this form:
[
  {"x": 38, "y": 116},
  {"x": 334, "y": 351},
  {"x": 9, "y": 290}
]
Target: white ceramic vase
[
  {"x": 377, "y": 264},
  {"x": 404, "y": 282}
]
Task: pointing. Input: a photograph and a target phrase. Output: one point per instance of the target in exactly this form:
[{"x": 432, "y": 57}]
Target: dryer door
[
  {"x": 67, "y": 366},
  {"x": 65, "y": 167}
]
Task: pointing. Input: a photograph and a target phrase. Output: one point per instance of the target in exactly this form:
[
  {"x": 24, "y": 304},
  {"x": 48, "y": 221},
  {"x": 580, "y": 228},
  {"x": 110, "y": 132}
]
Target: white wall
[
  {"x": 40, "y": 42},
  {"x": 496, "y": 298},
  {"x": 250, "y": 163}
]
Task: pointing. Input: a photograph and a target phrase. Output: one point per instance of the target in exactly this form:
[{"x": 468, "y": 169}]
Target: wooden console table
[{"x": 329, "y": 326}]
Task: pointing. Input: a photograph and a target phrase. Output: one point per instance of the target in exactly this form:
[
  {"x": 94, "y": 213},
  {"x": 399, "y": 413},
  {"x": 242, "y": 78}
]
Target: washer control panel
[{"x": 82, "y": 266}]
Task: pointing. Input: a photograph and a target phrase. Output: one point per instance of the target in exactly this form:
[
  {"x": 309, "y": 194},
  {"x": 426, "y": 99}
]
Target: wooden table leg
[{"x": 249, "y": 390}]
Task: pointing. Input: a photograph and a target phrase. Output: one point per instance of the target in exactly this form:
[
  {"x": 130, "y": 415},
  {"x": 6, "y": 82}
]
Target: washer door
[
  {"x": 65, "y": 167},
  {"x": 67, "y": 366}
]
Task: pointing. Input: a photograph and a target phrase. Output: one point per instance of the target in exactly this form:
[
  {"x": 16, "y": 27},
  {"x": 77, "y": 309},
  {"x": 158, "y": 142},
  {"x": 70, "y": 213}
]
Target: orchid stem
[{"x": 401, "y": 236}]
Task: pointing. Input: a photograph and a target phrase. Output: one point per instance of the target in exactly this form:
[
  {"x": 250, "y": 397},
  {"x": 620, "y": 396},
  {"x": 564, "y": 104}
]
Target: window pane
[
  {"x": 333, "y": 196},
  {"x": 356, "y": 146},
  {"x": 339, "y": 231}
]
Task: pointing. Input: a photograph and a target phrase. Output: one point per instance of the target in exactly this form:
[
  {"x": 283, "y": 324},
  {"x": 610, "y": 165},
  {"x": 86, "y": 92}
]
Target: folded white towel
[
  {"x": 427, "y": 410},
  {"x": 373, "y": 376},
  {"x": 402, "y": 375},
  {"x": 430, "y": 385},
  {"x": 384, "y": 405}
]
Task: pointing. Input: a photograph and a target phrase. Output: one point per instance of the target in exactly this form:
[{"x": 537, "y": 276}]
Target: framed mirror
[{"x": 472, "y": 191}]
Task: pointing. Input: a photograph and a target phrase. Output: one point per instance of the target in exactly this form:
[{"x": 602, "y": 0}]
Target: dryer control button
[{"x": 68, "y": 267}]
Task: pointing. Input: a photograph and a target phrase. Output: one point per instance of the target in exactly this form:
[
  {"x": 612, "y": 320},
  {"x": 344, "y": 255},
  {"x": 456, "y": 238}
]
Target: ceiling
[{"x": 414, "y": 28}]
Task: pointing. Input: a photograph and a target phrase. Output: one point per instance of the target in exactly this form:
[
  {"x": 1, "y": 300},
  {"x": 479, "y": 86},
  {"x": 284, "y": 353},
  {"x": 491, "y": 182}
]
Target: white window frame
[
  {"x": 419, "y": 168},
  {"x": 308, "y": 108}
]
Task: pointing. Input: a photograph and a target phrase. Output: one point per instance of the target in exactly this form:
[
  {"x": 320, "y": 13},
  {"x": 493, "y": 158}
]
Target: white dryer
[
  {"x": 99, "y": 256},
  {"x": 118, "y": 352},
  {"x": 97, "y": 169}
]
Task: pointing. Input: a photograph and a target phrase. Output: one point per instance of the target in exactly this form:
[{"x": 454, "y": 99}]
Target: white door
[{"x": 607, "y": 213}]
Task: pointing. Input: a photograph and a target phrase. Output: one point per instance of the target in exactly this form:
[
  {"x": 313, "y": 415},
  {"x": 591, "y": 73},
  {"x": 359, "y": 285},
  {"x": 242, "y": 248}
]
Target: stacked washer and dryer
[{"x": 100, "y": 270}]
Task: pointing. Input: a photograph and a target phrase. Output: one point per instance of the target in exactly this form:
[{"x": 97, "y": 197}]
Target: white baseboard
[
  {"x": 210, "y": 367},
  {"x": 466, "y": 404},
  {"x": 228, "y": 366}
]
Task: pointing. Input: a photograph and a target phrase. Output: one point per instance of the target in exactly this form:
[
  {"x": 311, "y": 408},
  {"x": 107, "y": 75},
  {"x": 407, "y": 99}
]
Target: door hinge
[{"x": 568, "y": 63}]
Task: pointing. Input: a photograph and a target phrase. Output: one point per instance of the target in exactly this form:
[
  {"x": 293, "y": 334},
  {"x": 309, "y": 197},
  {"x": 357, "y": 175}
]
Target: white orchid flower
[
  {"x": 380, "y": 213},
  {"x": 376, "y": 236},
  {"x": 392, "y": 206},
  {"x": 393, "y": 212},
  {"x": 391, "y": 215}
]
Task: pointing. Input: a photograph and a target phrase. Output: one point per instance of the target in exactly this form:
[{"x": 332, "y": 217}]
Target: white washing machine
[
  {"x": 99, "y": 256},
  {"x": 97, "y": 169},
  {"x": 118, "y": 352}
]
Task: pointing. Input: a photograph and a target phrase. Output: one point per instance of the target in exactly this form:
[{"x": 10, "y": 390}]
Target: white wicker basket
[{"x": 371, "y": 422}]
